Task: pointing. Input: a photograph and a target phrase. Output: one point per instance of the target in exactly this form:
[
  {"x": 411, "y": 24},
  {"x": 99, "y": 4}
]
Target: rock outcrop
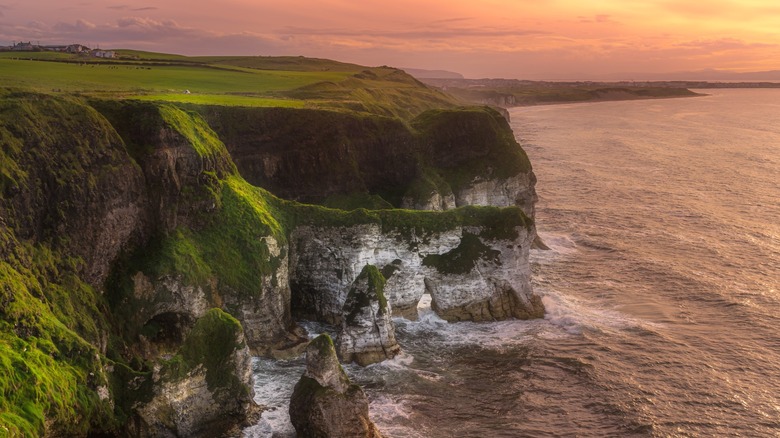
[
  {"x": 518, "y": 190},
  {"x": 443, "y": 161},
  {"x": 324, "y": 403},
  {"x": 472, "y": 272},
  {"x": 367, "y": 331},
  {"x": 202, "y": 391},
  {"x": 194, "y": 195}
]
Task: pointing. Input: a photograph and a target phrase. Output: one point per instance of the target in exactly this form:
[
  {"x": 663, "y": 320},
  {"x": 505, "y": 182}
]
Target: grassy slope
[
  {"x": 50, "y": 319},
  {"x": 231, "y": 81}
]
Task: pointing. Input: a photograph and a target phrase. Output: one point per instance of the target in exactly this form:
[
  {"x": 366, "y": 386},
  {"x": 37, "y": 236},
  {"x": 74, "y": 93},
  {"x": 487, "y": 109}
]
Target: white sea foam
[
  {"x": 273, "y": 384},
  {"x": 557, "y": 242},
  {"x": 401, "y": 361},
  {"x": 573, "y": 316}
]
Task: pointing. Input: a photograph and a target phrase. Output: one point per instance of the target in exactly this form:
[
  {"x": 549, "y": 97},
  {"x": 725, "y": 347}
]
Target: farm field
[{"x": 232, "y": 81}]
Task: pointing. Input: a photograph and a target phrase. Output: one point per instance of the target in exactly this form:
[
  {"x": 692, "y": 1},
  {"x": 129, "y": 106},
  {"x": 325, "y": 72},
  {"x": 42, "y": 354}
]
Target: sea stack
[
  {"x": 367, "y": 331},
  {"x": 324, "y": 403}
]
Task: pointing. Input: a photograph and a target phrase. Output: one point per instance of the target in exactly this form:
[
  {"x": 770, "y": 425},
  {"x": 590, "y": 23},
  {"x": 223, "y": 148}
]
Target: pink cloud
[
  {"x": 79, "y": 26},
  {"x": 513, "y": 40}
]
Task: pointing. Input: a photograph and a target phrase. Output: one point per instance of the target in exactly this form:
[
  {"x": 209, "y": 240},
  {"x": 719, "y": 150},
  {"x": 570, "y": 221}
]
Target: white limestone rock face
[
  {"x": 266, "y": 316},
  {"x": 519, "y": 190},
  {"x": 208, "y": 391},
  {"x": 166, "y": 309},
  {"x": 169, "y": 294},
  {"x": 483, "y": 280},
  {"x": 170, "y": 413},
  {"x": 367, "y": 331},
  {"x": 491, "y": 279},
  {"x": 435, "y": 201},
  {"x": 172, "y": 304}
]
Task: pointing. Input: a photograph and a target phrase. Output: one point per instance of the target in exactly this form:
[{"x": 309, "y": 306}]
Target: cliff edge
[{"x": 140, "y": 267}]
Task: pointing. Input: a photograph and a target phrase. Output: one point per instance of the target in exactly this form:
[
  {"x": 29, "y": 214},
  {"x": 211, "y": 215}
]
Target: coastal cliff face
[
  {"x": 133, "y": 248},
  {"x": 441, "y": 159},
  {"x": 100, "y": 282},
  {"x": 71, "y": 202},
  {"x": 470, "y": 274}
]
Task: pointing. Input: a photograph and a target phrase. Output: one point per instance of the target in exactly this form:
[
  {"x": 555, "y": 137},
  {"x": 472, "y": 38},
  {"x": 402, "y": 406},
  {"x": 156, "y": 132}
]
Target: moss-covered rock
[
  {"x": 324, "y": 403},
  {"x": 464, "y": 257},
  {"x": 317, "y": 156},
  {"x": 212, "y": 233},
  {"x": 78, "y": 352},
  {"x": 367, "y": 331},
  {"x": 72, "y": 203},
  {"x": 202, "y": 391}
]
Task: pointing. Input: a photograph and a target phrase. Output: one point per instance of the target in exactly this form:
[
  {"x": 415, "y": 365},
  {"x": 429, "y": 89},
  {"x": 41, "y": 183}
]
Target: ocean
[{"x": 662, "y": 289}]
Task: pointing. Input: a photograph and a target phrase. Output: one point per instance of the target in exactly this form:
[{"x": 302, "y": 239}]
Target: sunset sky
[{"x": 554, "y": 39}]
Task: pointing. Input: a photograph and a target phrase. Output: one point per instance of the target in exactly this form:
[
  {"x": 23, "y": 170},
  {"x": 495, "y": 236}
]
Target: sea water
[{"x": 662, "y": 289}]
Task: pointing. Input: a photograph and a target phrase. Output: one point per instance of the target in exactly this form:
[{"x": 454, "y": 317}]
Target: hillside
[
  {"x": 229, "y": 81},
  {"x": 148, "y": 249}
]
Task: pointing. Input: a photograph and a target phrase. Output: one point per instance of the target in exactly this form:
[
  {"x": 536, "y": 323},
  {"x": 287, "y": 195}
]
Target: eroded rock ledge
[
  {"x": 201, "y": 391},
  {"x": 470, "y": 273}
]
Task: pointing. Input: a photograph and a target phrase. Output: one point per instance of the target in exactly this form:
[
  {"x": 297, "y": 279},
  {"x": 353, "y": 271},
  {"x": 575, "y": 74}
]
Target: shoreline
[{"x": 599, "y": 100}]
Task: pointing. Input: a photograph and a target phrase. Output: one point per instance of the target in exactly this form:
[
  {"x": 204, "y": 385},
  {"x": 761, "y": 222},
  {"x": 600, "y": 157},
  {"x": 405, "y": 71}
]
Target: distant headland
[{"x": 513, "y": 92}]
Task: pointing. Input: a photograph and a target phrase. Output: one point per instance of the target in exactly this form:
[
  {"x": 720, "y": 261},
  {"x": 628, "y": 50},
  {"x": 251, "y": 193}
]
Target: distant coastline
[{"x": 507, "y": 93}]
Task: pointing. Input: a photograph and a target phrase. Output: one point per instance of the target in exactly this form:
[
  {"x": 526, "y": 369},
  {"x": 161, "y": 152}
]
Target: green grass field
[
  {"x": 257, "y": 81},
  {"x": 223, "y": 100},
  {"x": 122, "y": 78}
]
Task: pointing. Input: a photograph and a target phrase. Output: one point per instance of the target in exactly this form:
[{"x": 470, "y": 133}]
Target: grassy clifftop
[{"x": 294, "y": 82}]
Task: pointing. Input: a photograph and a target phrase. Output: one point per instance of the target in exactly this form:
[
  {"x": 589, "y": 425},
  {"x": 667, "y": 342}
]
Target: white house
[{"x": 103, "y": 54}]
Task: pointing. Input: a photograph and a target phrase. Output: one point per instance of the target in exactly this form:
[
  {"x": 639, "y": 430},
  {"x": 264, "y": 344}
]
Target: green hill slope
[{"x": 228, "y": 81}]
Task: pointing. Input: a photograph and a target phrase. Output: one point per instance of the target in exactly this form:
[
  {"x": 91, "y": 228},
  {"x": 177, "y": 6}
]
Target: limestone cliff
[
  {"x": 473, "y": 262},
  {"x": 126, "y": 227},
  {"x": 441, "y": 159}
]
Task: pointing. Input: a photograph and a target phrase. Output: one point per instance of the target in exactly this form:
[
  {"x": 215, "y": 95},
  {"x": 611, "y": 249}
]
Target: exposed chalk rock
[
  {"x": 435, "y": 201},
  {"x": 367, "y": 330},
  {"x": 202, "y": 391},
  {"x": 519, "y": 190},
  {"x": 324, "y": 403},
  {"x": 490, "y": 279},
  {"x": 266, "y": 316}
]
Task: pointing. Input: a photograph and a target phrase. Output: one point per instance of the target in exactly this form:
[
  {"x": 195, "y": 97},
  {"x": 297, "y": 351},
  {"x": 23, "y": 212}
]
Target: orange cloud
[{"x": 486, "y": 38}]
